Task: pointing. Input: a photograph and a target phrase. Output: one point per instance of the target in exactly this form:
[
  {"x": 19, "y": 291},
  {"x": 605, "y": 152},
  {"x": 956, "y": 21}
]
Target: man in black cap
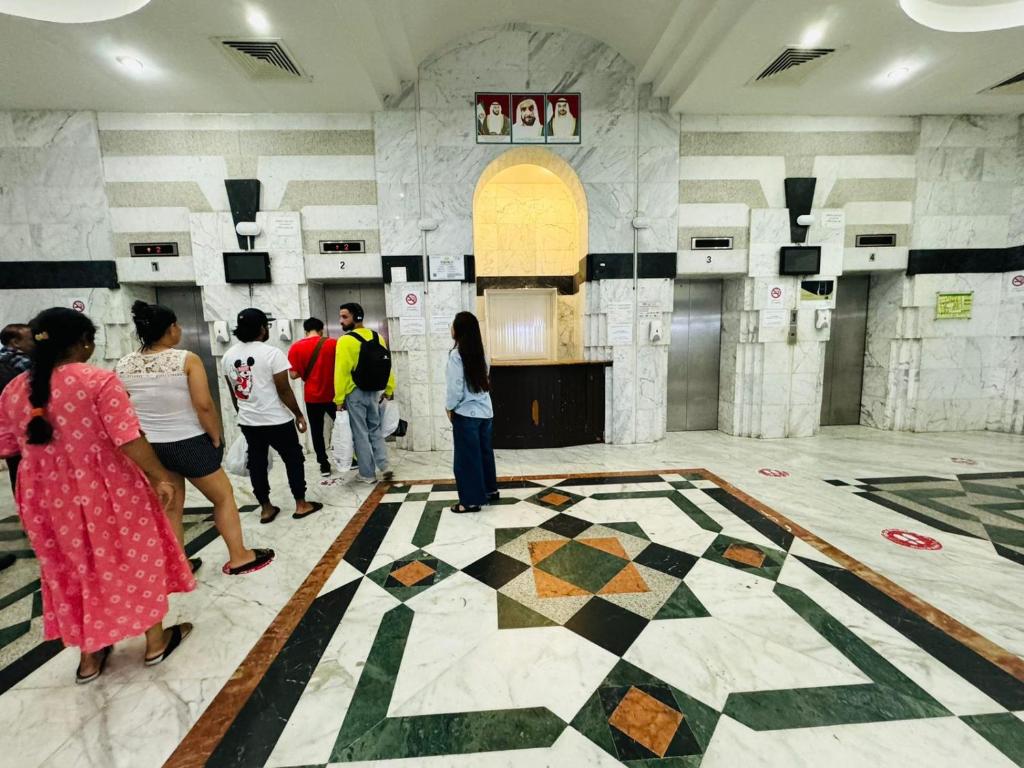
[{"x": 257, "y": 376}]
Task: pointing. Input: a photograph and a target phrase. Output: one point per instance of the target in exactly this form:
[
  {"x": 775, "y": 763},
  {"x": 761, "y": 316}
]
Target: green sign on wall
[{"x": 953, "y": 306}]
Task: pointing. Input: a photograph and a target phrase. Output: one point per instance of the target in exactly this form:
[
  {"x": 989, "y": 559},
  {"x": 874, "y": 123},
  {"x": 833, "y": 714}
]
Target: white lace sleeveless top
[{"x": 159, "y": 389}]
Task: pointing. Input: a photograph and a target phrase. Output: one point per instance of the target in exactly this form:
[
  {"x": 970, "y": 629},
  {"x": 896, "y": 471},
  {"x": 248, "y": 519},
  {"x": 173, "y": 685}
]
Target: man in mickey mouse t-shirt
[{"x": 257, "y": 377}]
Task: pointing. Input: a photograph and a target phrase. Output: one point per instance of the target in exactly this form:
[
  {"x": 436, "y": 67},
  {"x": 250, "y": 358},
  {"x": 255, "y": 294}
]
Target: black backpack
[
  {"x": 8, "y": 372},
  {"x": 374, "y": 367}
]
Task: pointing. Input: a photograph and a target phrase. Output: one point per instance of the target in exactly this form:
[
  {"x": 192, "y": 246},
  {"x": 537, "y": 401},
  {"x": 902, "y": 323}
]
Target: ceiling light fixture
[
  {"x": 897, "y": 74},
  {"x": 813, "y": 35},
  {"x": 130, "y": 63},
  {"x": 258, "y": 20}
]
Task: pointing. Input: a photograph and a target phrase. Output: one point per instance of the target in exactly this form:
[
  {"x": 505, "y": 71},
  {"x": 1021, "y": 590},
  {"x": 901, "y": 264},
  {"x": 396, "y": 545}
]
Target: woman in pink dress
[{"x": 107, "y": 555}]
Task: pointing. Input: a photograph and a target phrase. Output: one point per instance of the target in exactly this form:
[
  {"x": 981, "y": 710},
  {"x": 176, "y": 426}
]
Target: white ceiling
[{"x": 699, "y": 54}]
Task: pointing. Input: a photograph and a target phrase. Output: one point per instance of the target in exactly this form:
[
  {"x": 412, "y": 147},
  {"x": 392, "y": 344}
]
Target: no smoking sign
[
  {"x": 776, "y": 292},
  {"x": 911, "y": 540}
]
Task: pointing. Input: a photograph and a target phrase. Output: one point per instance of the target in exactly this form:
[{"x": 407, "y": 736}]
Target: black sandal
[
  {"x": 461, "y": 509},
  {"x": 272, "y": 518},
  {"x": 195, "y": 563},
  {"x": 493, "y": 497},
  {"x": 178, "y": 635},
  {"x": 314, "y": 506},
  {"x": 81, "y": 679},
  {"x": 264, "y": 557}
]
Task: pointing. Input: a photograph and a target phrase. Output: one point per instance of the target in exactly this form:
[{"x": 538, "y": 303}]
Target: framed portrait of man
[
  {"x": 527, "y": 118},
  {"x": 562, "y": 118},
  {"x": 493, "y": 124}
]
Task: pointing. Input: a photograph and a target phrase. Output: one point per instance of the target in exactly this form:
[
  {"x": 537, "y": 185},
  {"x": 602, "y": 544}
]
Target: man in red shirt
[{"x": 312, "y": 360}]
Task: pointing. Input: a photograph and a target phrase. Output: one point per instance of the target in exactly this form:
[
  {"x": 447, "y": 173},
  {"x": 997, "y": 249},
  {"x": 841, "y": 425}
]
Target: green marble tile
[
  {"x": 426, "y": 530},
  {"x": 770, "y": 569},
  {"x": 583, "y": 566},
  {"x": 1014, "y": 537},
  {"x": 377, "y": 682},
  {"x": 695, "y": 513},
  {"x": 683, "y": 604},
  {"x": 10, "y": 634},
  {"x": 421, "y": 496},
  {"x": 592, "y": 722},
  {"x": 455, "y": 734},
  {"x": 929, "y": 497},
  {"x": 503, "y": 536},
  {"x": 682, "y": 484},
  {"x": 515, "y": 615},
  {"x": 630, "y": 495},
  {"x": 633, "y": 529},
  {"x": 1003, "y": 731}
]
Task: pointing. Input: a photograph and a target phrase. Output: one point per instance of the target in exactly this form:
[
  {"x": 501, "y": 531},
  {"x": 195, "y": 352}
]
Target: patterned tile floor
[{"x": 713, "y": 617}]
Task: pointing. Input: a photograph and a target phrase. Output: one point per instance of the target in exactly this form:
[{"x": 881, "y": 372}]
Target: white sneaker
[{"x": 366, "y": 480}]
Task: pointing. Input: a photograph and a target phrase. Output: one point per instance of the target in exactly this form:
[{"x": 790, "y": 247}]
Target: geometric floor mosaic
[
  {"x": 654, "y": 619},
  {"x": 22, "y": 648},
  {"x": 981, "y": 505}
]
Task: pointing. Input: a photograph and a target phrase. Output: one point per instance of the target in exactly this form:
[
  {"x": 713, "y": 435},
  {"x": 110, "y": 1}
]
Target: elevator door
[
  {"x": 693, "y": 355},
  {"x": 844, "y": 353},
  {"x": 369, "y": 295},
  {"x": 187, "y": 304}
]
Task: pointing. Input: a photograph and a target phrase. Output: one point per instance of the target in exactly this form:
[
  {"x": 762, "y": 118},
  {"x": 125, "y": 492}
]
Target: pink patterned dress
[{"x": 107, "y": 554}]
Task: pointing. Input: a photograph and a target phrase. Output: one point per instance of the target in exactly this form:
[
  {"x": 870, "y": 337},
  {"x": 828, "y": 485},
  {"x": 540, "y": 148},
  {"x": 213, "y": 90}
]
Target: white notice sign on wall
[
  {"x": 620, "y": 334},
  {"x": 833, "y": 219},
  {"x": 440, "y": 325},
  {"x": 620, "y": 313},
  {"x": 774, "y": 318},
  {"x": 447, "y": 268},
  {"x": 412, "y": 326}
]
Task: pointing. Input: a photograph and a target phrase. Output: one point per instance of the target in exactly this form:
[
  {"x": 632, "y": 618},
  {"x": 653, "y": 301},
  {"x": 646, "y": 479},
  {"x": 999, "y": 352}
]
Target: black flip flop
[
  {"x": 459, "y": 509},
  {"x": 195, "y": 563},
  {"x": 493, "y": 497},
  {"x": 315, "y": 506},
  {"x": 177, "y": 636},
  {"x": 272, "y": 518},
  {"x": 264, "y": 557},
  {"x": 81, "y": 679}
]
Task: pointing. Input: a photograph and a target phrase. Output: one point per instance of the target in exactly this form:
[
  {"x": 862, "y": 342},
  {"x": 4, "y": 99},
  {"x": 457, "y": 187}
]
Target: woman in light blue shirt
[{"x": 468, "y": 403}]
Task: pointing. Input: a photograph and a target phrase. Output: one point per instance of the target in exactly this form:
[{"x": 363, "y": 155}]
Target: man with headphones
[{"x": 363, "y": 377}]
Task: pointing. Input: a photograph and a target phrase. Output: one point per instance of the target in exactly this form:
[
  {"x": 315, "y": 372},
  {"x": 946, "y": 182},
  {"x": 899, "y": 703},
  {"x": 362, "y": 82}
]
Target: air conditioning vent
[
  {"x": 710, "y": 243},
  {"x": 793, "y": 65},
  {"x": 876, "y": 241},
  {"x": 1013, "y": 86},
  {"x": 266, "y": 59}
]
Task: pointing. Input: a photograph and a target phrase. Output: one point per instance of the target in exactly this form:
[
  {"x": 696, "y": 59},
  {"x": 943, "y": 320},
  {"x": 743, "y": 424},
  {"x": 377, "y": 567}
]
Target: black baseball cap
[{"x": 254, "y": 318}]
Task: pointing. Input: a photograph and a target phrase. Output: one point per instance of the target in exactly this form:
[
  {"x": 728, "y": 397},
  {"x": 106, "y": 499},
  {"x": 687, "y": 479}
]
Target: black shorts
[{"x": 191, "y": 458}]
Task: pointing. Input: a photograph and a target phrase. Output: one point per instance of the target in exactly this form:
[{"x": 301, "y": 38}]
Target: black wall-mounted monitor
[
  {"x": 800, "y": 260},
  {"x": 247, "y": 266}
]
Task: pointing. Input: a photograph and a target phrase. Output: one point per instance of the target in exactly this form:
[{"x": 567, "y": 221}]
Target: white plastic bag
[
  {"x": 389, "y": 417},
  {"x": 237, "y": 457},
  {"x": 341, "y": 442}
]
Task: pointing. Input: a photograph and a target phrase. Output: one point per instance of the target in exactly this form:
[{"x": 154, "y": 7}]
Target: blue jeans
[
  {"x": 364, "y": 418},
  {"x": 475, "y": 475}
]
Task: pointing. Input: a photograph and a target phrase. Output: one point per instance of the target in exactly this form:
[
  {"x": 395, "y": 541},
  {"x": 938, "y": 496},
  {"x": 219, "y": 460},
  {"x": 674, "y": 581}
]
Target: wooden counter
[{"x": 548, "y": 404}]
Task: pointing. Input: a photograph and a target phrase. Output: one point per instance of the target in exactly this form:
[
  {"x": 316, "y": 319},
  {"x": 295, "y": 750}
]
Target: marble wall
[{"x": 924, "y": 374}]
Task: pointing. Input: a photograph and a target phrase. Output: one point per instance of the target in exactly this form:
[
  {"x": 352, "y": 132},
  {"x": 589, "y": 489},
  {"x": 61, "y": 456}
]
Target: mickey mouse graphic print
[{"x": 249, "y": 368}]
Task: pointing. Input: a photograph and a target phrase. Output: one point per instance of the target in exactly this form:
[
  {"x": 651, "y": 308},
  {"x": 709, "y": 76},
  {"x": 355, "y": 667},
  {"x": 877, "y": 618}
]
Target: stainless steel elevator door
[
  {"x": 844, "y": 353},
  {"x": 187, "y": 304},
  {"x": 693, "y": 355},
  {"x": 369, "y": 295}
]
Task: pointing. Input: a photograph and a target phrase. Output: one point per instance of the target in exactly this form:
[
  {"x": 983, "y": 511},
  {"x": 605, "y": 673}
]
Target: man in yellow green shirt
[{"x": 363, "y": 405}]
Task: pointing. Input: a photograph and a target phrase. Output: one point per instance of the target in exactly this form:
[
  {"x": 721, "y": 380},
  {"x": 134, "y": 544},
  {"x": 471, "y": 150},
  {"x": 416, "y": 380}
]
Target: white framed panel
[{"x": 522, "y": 323}]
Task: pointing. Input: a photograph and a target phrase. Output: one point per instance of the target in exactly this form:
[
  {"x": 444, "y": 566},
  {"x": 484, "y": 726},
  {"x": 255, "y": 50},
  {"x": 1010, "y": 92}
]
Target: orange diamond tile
[
  {"x": 412, "y": 573},
  {"x": 610, "y": 545},
  {"x": 627, "y": 581},
  {"x": 552, "y": 586},
  {"x": 646, "y": 720},
  {"x": 545, "y": 548},
  {"x": 740, "y": 553},
  {"x": 557, "y": 499}
]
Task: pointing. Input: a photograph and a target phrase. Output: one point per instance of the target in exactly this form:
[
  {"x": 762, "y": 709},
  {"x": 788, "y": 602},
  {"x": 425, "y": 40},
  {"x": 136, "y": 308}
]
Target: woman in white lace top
[{"x": 171, "y": 395}]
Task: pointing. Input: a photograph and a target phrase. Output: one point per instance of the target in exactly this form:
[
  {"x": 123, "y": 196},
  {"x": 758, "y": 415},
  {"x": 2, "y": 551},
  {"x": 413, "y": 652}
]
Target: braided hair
[
  {"x": 56, "y": 331},
  {"x": 152, "y": 321}
]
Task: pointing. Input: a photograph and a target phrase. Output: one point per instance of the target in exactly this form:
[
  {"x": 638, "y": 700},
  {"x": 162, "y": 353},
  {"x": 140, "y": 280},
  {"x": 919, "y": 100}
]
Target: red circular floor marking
[
  {"x": 773, "y": 472},
  {"x": 911, "y": 540},
  {"x": 961, "y": 460}
]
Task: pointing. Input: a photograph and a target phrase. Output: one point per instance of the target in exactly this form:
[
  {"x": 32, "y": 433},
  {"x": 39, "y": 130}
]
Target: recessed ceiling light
[
  {"x": 258, "y": 20},
  {"x": 813, "y": 35},
  {"x": 130, "y": 63},
  {"x": 897, "y": 74}
]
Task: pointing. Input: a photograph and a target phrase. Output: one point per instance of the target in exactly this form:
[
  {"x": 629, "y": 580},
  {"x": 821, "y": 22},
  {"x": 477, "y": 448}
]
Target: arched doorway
[{"x": 529, "y": 235}]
